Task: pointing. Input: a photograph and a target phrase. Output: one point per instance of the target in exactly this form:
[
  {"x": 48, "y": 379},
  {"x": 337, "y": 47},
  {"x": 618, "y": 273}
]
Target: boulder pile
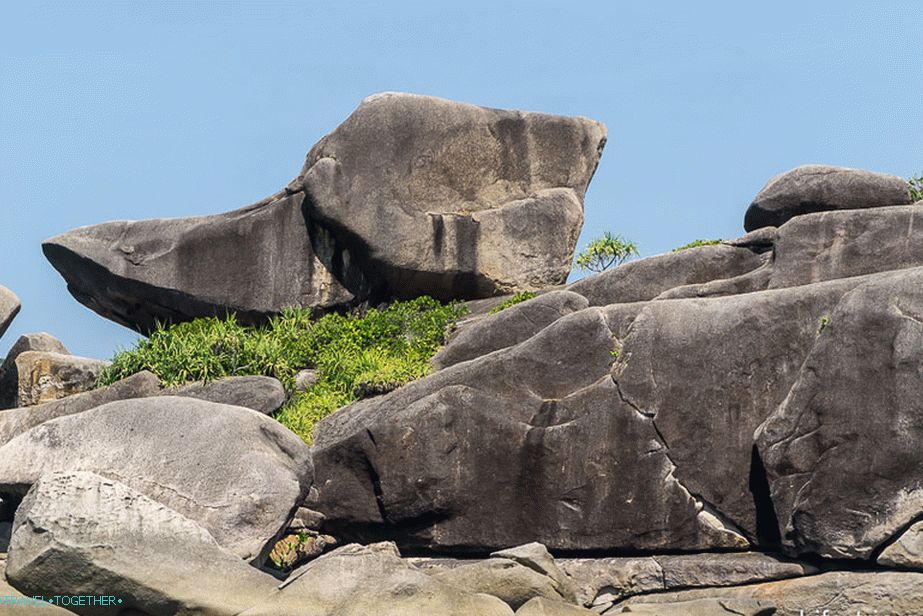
[{"x": 727, "y": 429}]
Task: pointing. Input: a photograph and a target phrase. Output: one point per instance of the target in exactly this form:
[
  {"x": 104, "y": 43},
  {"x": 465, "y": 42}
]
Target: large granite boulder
[
  {"x": 454, "y": 200},
  {"x": 9, "y": 308},
  {"x": 817, "y": 188},
  {"x": 648, "y": 278},
  {"x": 9, "y": 373},
  {"x": 842, "y": 452},
  {"x": 260, "y": 393},
  {"x": 837, "y": 592},
  {"x": 360, "y": 580},
  {"x": 234, "y": 471},
  {"x": 253, "y": 261},
  {"x": 77, "y": 533}
]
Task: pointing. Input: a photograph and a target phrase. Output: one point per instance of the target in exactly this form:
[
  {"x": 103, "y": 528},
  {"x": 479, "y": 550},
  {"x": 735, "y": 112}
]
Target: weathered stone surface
[
  {"x": 508, "y": 327},
  {"x": 234, "y": 471},
  {"x": 645, "y": 279},
  {"x": 14, "y": 422},
  {"x": 906, "y": 551},
  {"x": 837, "y": 592},
  {"x": 46, "y": 376},
  {"x": 536, "y": 557},
  {"x": 751, "y": 282},
  {"x": 602, "y": 581},
  {"x": 253, "y": 261},
  {"x": 77, "y": 533},
  {"x": 263, "y": 394},
  {"x": 709, "y": 371},
  {"x": 503, "y": 578},
  {"x": 542, "y": 606},
  {"x": 306, "y": 379},
  {"x": 831, "y": 245},
  {"x": 705, "y": 607},
  {"x": 360, "y": 580},
  {"x": 818, "y": 188},
  {"x": 454, "y": 200},
  {"x": 842, "y": 452},
  {"x": 9, "y": 375},
  {"x": 12, "y": 601},
  {"x": 759, "y": 240},
  {"x": 9, "y": 308},
  {"x": 541, "y": 422}
]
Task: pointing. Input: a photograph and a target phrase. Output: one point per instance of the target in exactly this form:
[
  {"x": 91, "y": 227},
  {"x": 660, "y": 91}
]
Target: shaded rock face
[
  {"x": 842, "y": 452},
  {"x": 412, "y": 195},
  {"x": 9, "y": 308},
  {"x": 359, "y": 580},
  {"x": 77, "y": 533},
  {"x": 253, "y": 261},
  {"x": 818, "y": 188},
  {"x": 454, "y": 200},
  {"x": 234, "y": 471}
]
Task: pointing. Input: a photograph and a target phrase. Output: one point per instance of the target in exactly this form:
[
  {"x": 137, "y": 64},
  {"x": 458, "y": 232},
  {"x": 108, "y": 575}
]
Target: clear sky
[{"x": 133, "y": 110}]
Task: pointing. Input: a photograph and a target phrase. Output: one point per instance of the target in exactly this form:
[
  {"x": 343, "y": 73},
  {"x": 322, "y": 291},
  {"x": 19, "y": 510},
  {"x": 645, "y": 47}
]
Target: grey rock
[
  {"x": 9, "y": 375},
  {"x": 831, "y": 245},
  {"x": 359, "y": 580},
  {"x": 839, "y": 592},
  {"x": 535, "y": 556},
  {"x": 305, "y": 380},
  {"x": 307, "y": 519},
  {"x": 31, "y": 608},
  {"x": 906, "y": 551},
  {"x": 508, "y": 327},
  {"x": 602, "y": 581},
  {"x": 751, "y": 282},
  {"x": 14, "y": 422},
  {"x": 707, "y": 372},
  {"x": 704, "y": 607},
  {"x": 418, "y": 464},
  {"x": 77, "y": 533},
  {"x": 759, "y": 239},
  {"x": 842, "y": 452},
  {"x": 236, "y": 472},
  {"x": 645, "y": 279},
  {"x": 9, "y": 308},
  {"x": 45, "y": 376},
  {"x": 454, "y": 200},
  {"x": 253, "y": 262},
  {"x": 263, "y": 394},
  {"x": 543, "y": 606},
  {"x": 818, "y": 188},
  {"x": 503, "y": 578}
]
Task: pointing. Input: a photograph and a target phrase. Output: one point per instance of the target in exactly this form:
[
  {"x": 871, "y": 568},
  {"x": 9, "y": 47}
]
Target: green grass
[
  {"x": 696, "y": 244},
  {"x": 356, "y": 355},
  {"x": 916, "y": 187},
  {"x": 519, "y": 298}
]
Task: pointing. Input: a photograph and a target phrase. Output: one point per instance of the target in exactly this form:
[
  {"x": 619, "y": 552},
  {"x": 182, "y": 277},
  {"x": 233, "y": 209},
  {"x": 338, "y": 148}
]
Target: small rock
[
  {"x": 307, "y": 519},
  {"x": 305, "y": 380},
  {"x": 535, "y": 556},
  {"x": 817, "y": 188},
  {"x": 9, "y": 308},
  {"x": 44, "y": 376},
  {"x": 906, "y": 551},
  {"x": 263, "y": 394},
  {"x": 9, "y": 375}
]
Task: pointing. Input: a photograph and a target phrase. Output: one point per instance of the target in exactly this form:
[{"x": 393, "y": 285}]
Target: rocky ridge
[{"x": 727, "y": 429}]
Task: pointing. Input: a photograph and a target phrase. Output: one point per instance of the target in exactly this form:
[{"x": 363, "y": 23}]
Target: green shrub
[
  {"x": 519, "y": 298},
  {"x": 916, "y": 187},
  {"x": 605, "y": 252},
  {"x": 355, "y": 355},
  {"x": 696, "y": 244}
]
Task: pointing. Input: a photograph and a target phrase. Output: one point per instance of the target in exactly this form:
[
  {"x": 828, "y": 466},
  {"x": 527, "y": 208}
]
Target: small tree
[{"x": 605, "y": 252}]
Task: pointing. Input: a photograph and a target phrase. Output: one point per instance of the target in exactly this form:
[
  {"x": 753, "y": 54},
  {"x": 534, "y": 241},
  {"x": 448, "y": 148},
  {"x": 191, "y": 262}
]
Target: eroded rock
[
  {"x": 9, "y": 308},
  {"x": 44, "y": 376},
  {"x": 263, "y": 394}
]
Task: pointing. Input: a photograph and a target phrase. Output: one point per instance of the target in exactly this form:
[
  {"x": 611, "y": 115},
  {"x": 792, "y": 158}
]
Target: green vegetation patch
[
  {"x": 696, "y": 244},
  {"x": 916, "y": 187},
  {"x": 605, "y": 252},
  {"x": 355, "y": 355},
  {"x": 519, "y": 298}
]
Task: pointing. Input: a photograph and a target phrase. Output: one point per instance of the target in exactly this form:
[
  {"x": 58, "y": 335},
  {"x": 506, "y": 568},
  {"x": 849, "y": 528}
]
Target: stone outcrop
[
  {"x": 818, "y": 188},
  {"x": 44, "y": 376},
  {"x": 77, "y": 533},
  {"x": 234, "y": 471},
  {"x": 411, "y": 195},
  {"x": 359, "y": 580},
  {"x": 9, "y": 308},
  {"x": 9, "y": 373},
  {"x": 260, "y": 393}
]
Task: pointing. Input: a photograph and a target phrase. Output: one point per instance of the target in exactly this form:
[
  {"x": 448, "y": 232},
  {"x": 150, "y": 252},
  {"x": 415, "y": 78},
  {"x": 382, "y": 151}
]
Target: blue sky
[{"x": 134, "y": 110}]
